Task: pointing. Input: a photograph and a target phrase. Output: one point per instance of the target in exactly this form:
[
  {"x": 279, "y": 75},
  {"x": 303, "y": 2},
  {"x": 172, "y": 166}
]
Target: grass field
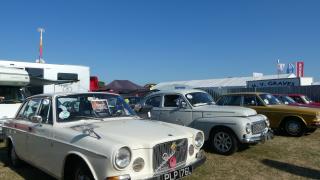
[{"x": 281, "y": 158}]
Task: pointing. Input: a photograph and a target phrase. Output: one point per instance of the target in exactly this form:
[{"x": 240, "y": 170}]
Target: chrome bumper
[{"x": 261, "y": 138}]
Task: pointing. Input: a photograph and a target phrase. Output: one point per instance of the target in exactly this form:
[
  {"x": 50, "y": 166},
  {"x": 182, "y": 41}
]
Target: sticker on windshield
[
  {"x": 189, "y": 96},
  {"x": 266, "y": 101},
  {"x": 45, "y": 102},
  {"x": 64, "y": 114},
  {"x": 99, "y": 105}
]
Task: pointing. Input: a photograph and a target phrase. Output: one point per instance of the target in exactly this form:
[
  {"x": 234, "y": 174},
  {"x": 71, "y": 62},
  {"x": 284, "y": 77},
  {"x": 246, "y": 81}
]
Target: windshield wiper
[{"x": 89, "y": 117}]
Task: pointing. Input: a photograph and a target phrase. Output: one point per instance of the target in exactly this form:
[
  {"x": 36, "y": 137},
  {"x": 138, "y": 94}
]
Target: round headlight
[
  {"x": 268, "y": 122},
  {"x": 123, "y": 158},
  {"x": 138, "y": 164},
  {"x": 199, "y": 140},
  {"x": 248, "y": 128}
]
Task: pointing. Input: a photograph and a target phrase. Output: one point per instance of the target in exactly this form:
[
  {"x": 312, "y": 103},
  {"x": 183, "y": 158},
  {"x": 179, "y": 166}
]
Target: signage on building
[
  {"x": 300, "y": 69},
  {"x": 286, "y": 82}
]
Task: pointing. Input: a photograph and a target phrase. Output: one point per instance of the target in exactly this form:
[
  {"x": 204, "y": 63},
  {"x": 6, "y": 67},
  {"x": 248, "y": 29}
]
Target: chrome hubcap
[
  {"x": 222, "y": 141},
  {"x": 293, "y": 128}
]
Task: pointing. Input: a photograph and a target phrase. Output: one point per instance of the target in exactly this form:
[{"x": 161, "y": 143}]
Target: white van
[
  {"x": 12, "y": 81},
  {"x": 18, "y": 79}
]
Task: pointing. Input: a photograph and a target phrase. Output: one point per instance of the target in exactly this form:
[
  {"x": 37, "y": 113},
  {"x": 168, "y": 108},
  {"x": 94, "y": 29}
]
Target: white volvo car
[{"x": 97, "y": 136}]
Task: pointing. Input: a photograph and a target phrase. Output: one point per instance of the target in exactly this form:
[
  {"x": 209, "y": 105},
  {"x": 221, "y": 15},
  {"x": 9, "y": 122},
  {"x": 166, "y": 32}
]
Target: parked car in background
[
  {"x": 294, "y": 120},
  {"x": 225, "y": 128},
  {"x": 303, "y": 99},
  {"x": 98, "y": 136},
  {"x": 285, "y": 99}
]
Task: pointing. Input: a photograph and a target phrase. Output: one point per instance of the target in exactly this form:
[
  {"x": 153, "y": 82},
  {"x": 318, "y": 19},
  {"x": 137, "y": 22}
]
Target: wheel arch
[
  {"x": 286, "y": 118},
  {"x": 223, "y": 127},
  {"x": 78, "y": 157}
]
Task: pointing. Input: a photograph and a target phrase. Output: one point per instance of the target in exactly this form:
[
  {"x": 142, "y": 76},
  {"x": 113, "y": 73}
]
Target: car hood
[
  {"x": 138, "y": 133},
  {"x": 215, "y": 110},
  {"x": 8, "y": 110}
]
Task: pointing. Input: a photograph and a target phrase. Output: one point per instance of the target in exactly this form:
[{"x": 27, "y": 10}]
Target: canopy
[{"x": 123, "y": 86}]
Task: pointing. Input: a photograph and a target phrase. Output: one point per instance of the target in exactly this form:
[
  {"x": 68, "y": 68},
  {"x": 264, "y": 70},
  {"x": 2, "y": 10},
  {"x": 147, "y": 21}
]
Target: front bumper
[
  {"x": 265, "y": 136},
  {"x": 315, "y": 125},
  {"x": 2, "y": 135},
  {"x": 200, "y": 159}
]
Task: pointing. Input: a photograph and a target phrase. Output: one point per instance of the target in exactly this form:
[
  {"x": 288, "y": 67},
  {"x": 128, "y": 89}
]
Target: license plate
[{"x": 178, "y": 174}]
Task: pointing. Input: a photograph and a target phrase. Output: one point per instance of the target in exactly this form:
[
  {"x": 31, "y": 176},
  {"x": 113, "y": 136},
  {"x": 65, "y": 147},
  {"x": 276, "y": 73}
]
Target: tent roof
[
  {"x": 221, "y": 82},
  {"x": 123, "y": 86}
]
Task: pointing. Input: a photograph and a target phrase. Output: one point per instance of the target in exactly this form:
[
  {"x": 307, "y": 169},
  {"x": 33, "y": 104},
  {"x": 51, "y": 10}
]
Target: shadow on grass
[
  {"x": 26, "y": 171},
  {"x": 293, "y": 169}
]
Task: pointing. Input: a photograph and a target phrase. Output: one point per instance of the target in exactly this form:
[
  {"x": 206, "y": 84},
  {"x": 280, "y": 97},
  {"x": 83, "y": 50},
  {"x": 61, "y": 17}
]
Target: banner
[{"x": 300, "y": 69}]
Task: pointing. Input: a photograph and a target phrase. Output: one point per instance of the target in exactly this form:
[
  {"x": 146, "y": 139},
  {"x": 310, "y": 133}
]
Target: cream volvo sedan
[{"x": 97, "y": 136}]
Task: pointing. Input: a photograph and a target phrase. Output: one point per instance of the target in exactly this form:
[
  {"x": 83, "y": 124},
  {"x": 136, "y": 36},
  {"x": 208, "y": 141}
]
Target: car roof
[
  {"x": 178, "y": 91},
  {"x": 65, "y": 94},
  {"x": 246, "y": 93}
]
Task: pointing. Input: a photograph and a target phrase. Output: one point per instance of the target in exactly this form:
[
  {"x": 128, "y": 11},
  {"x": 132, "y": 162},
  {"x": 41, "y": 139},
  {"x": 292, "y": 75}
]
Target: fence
[{"x": 312, "y": 92}]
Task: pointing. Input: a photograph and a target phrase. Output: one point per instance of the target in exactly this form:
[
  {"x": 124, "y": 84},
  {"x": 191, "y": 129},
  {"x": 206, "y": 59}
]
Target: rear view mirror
[{"x": 36, "y": 119}]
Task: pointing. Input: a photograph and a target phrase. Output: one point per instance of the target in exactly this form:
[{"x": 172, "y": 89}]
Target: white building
[{"x": 219, "y": 83}]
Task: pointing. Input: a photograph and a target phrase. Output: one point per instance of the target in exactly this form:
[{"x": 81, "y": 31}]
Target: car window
[
  {"x": 230, "y": 100},
  {"x": 297, "y": 99},
  {"x": 171, "y": 100},
  {"x": 251, "y": 101},
  {"x": 154, "y": 101},
  {"x": 46, "y": 111},
  {"x": 30, "y": 109}
]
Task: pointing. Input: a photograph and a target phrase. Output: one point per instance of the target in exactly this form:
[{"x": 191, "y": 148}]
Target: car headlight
[
  {"x": 123, "y": 158},
  {"x": 138, "y": 164},
  {"x": 268, "y": 122},
  {"x": 318, "y": 115},
  {"x": 248, "y": 128},
  {"x": 199, "y": 140}
]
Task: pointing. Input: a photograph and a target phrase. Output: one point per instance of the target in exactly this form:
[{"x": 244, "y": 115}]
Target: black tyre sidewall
[
  {"x": 14, "y": 163},
  {"x": 83, "y": 168}
]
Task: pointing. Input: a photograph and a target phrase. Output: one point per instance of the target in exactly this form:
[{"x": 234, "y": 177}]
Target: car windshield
[
  {"x": 269, "y": 99},
  {"x": 91, "y": 106},
  {"x": 199, "y": 99},
  {"x": 306, "y": 99},
  {"x": 9, "y": 95},
  {"x": 288, "y": 100}
]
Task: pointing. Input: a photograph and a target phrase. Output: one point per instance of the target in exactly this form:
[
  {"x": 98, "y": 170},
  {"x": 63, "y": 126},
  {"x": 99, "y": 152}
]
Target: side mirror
[
  {"x": 36, "y": 119},
  {"x": 183, "y": 105}
]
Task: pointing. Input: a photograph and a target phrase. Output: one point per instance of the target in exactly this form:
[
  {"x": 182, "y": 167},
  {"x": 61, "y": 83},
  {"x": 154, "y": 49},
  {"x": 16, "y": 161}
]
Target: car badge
[
  {"x": 172, "y": 162},
  {"x": 173, "y": 147}
]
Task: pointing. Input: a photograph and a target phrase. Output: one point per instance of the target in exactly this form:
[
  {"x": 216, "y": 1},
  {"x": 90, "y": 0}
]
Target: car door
[
  {"x": 172, "y": 113},
  {"x": 40, "y": 137},
  {"x": 151, "y": 107},
  {"x": 23, "y": 126}
]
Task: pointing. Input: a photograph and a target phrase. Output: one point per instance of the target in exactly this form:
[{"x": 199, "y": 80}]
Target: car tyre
[
  {"x": 82, "y": 172},
  {"x": 14, "y": 160},
  {"x": 295, "y": 128},
  {"x": 223, "y": 141}
]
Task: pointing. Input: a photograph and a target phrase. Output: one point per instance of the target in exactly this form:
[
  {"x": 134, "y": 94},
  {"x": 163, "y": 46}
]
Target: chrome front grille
[
  {"x": 258, "y": 127},
  {"x": 163, "y": 153}
]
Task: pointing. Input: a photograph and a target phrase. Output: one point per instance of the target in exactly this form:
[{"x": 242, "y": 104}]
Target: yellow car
[{"x": 294, "y": 120}]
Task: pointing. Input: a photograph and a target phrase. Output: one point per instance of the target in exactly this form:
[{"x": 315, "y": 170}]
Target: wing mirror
[
  {"x": 183, "y": 105},
  {"x": 36, "y": 119}
]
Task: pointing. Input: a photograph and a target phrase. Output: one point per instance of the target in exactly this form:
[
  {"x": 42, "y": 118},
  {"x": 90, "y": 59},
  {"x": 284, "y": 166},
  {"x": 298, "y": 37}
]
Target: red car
[
  {"x": 303, "y": 99},
  {"x": 286, "y": 99}
]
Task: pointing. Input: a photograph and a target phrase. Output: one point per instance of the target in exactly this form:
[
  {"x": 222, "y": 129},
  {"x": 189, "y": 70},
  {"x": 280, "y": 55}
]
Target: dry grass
[{"x": 282, "y": 158}]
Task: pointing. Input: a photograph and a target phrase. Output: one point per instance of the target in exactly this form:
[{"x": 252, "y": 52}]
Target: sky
[{"x": 164, "y": 40}]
